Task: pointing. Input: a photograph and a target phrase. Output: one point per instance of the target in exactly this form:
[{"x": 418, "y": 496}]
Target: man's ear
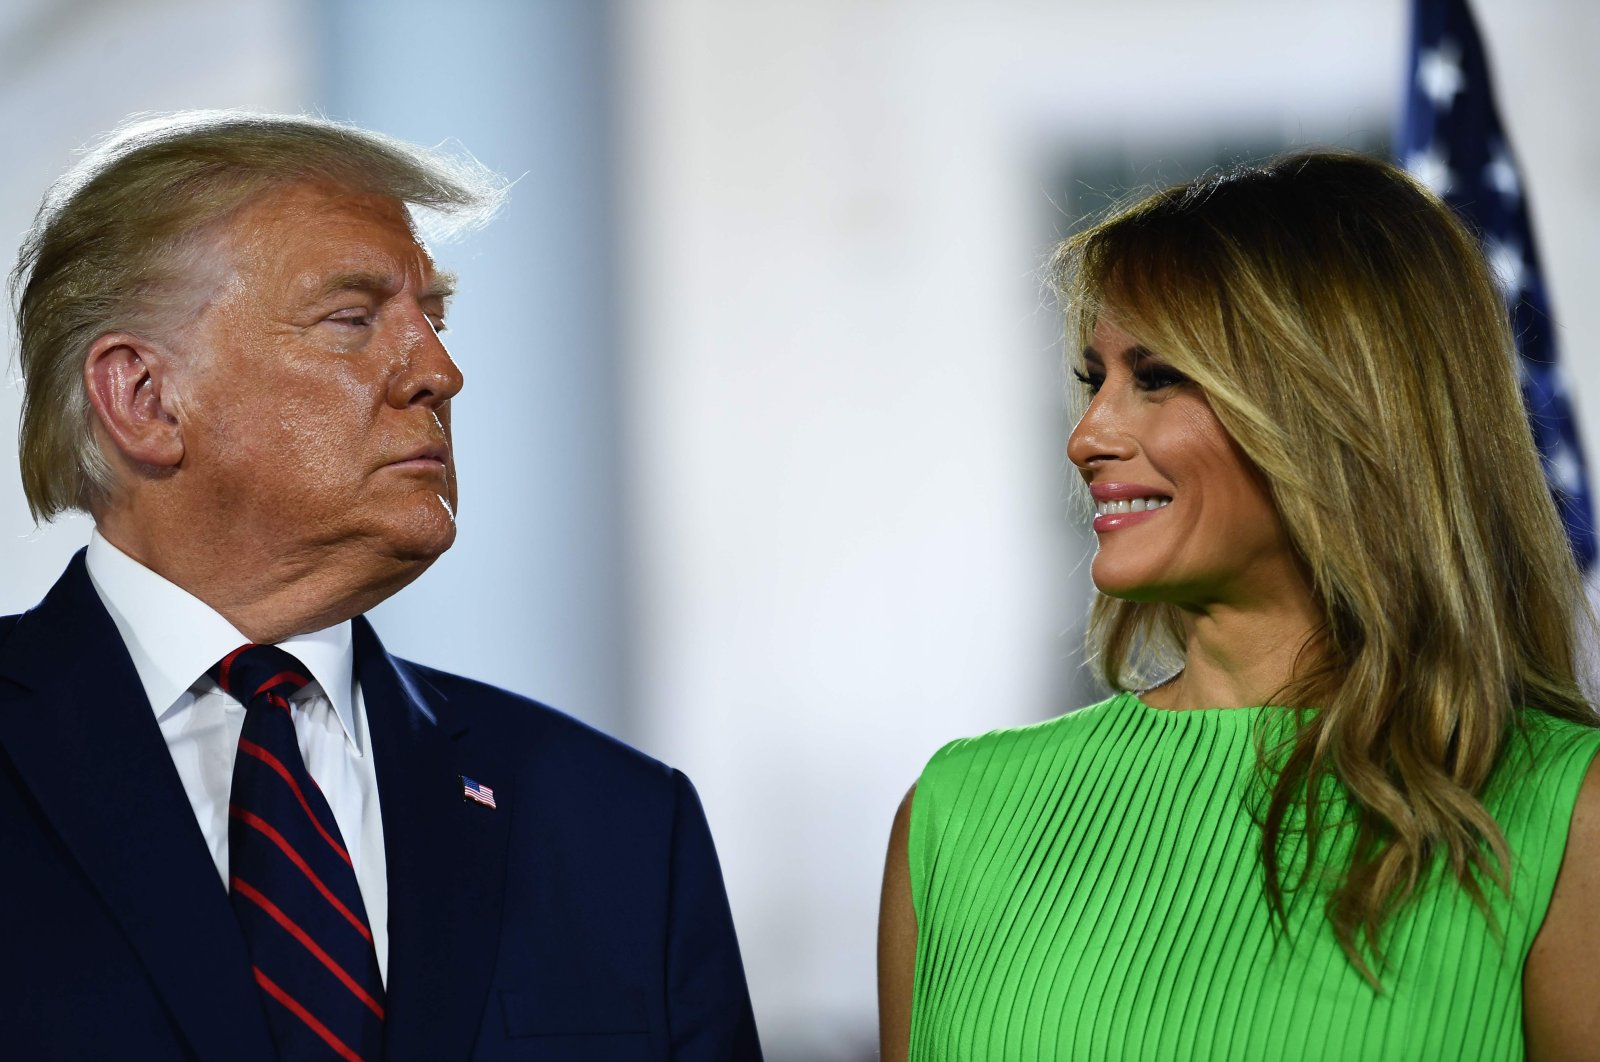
[{"x": 126, "y": 377}]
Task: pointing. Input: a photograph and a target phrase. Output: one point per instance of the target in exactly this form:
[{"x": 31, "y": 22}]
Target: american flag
[
  {"x": 476, "y": 792},
  {"x": 1453, "y": 142}
]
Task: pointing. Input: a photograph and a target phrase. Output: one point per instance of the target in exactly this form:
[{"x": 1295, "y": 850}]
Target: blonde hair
[
  {"x": 114, "y": 248},
  {"x": 1347, "y": 333}
]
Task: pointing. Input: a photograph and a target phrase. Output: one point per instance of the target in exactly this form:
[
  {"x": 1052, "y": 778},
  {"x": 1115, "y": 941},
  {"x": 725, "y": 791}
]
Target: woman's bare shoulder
[
  {"x": 1561, "y": 980},
  {"x": 897, "y": 939}
]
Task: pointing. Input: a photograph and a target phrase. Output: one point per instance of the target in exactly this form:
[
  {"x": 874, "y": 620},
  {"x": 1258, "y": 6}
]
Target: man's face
[{"x": 315, "y": 408}]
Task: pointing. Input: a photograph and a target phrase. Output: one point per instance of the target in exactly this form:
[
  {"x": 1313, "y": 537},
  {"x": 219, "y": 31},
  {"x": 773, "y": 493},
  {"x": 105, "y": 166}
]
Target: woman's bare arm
[
  {"x": 1561, "y": 979},
  {"x": 897, "y": 942}
]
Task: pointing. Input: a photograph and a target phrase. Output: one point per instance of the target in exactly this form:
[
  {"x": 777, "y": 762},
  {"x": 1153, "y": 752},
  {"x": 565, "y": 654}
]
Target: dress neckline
[{"x": 1132, "y": 699}]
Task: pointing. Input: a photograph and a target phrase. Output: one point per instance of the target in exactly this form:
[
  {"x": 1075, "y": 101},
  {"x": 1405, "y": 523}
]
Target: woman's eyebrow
[{"x": 1133, "y": 355}]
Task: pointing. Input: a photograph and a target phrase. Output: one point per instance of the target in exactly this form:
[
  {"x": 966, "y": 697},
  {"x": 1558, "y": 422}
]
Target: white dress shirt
[{"x": 174, "y": 638}]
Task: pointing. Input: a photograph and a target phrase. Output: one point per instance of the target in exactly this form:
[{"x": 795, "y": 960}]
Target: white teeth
[{"x": 1136, "y": 505}]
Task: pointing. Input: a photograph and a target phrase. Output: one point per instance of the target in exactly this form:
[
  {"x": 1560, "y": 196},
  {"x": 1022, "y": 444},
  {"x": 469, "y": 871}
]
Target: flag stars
[
  {"x": 1501, "y": 173},
  {"x": 1563, "y": 469},
  {"x": 1439, "y": 74},
  {"x": 1510, "y": 270},
  {"x": 1431, "y": 168}
]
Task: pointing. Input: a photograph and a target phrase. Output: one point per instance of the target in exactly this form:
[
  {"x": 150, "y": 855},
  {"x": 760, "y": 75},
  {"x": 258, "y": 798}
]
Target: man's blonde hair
[{"x": 115, "y": 247}]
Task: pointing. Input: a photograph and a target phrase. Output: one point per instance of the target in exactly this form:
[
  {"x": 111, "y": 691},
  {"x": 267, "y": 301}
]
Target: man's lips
[{"x": 426, "y": 457}]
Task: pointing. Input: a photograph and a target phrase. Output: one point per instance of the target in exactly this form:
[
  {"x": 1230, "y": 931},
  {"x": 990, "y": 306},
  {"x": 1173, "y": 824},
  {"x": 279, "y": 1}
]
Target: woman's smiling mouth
[{"x": 1119, "y": 505}]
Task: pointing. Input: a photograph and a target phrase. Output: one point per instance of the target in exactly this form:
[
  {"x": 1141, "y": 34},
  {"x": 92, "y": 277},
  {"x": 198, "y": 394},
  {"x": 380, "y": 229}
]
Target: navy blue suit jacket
[{"x": 583, "y": 918}]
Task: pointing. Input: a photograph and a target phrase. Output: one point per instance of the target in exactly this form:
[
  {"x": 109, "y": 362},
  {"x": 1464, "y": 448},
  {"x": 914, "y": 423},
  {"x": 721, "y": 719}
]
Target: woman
[{"x": 1314, "y": 490}]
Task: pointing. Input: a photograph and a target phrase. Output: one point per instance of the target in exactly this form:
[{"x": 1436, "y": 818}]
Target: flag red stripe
[
  {"x": 246, "y": 745},
  {"x": 304, "y": 1015},
  {"x": 255, "y": 822},
  {"x": 251, "y": 893}
]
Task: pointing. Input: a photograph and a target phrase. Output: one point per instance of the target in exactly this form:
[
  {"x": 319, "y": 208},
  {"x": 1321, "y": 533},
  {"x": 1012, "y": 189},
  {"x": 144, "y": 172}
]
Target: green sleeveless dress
[{"x": 1090, "y": 888}]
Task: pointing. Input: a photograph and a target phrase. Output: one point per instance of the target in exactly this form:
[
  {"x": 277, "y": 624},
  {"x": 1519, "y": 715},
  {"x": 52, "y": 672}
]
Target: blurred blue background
[{"x": 761, "y": 447}]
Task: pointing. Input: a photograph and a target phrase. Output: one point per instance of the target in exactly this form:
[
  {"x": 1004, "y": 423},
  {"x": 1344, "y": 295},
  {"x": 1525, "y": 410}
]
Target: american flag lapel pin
[{"x": 476, "y": 792}]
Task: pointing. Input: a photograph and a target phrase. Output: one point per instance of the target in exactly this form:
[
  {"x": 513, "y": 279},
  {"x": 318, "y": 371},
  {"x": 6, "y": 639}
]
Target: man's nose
[{"x": 429, "y": 375}]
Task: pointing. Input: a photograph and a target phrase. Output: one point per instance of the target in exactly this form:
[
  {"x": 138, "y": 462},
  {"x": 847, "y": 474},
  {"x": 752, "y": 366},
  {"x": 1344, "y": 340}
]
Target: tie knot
[{"x": 254, "y": 674}]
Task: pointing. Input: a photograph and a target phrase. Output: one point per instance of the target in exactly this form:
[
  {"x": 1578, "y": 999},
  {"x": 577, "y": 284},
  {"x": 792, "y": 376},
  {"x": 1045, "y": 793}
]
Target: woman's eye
[
  {"x": 1092, "y": 381},
  {"x": 1159, "y": 378}
]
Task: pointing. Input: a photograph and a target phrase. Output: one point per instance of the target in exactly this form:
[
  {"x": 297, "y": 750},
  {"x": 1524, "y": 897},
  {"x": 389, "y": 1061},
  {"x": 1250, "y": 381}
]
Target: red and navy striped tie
[{"x": 293, "y": 886}]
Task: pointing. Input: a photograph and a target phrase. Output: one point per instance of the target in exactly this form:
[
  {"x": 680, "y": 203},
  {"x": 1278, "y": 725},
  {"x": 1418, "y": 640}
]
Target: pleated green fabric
[{"x": 1090, "y": 888}]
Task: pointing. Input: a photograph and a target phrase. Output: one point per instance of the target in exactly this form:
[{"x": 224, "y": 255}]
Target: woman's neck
[{"x": 1236, "y": 658}]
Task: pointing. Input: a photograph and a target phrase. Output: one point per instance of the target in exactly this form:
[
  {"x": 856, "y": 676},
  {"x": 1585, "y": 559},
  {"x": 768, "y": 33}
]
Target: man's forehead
[{"x": 320, "y": 239}]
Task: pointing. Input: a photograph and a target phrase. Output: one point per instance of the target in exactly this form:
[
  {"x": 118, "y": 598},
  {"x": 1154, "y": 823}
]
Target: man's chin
[
  {"x": 424, "y": 534},
  {"x": 422, "y": 549}
]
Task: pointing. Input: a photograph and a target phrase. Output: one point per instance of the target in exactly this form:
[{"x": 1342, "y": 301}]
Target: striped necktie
[{"x": 291, "y": 880}]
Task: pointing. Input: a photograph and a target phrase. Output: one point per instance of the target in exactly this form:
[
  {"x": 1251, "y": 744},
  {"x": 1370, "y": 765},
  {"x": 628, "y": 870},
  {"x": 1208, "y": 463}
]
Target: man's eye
[
  {"x": 1091, "y": 381},
  {"x": 437, "y": 320},
  {"x": 352, "y": 318}
]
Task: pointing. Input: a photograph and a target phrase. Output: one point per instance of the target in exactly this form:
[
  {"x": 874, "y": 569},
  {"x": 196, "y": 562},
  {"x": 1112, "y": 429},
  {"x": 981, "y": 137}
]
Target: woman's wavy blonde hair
[{"x": 1348, "y": 335}]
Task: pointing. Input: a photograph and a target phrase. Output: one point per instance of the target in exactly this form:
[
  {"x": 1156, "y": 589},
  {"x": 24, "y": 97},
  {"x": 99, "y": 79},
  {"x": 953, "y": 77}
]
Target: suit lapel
[
  {"x": 445, "y": 859},
  {"x": 84, "y": 739}
]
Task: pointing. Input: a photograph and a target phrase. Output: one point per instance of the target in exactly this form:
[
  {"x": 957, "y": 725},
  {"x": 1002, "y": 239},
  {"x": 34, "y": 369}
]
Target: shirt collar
[{"x": 174, "y": 637}]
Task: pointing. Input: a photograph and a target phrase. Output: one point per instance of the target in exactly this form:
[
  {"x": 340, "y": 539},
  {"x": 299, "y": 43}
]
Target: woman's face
[{"x": 1182, "y": 516}]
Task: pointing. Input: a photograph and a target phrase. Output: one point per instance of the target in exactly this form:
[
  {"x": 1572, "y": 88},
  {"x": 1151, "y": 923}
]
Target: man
[{"x": 233, "y": 826}]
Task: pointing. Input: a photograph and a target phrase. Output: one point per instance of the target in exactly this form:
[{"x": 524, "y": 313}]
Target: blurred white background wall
[
  {"x": 69, "y": 72},
  {"x": 762, "y": 440}
]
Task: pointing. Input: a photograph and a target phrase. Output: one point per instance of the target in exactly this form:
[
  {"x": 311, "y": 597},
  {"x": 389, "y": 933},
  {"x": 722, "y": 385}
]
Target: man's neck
[{"x": 267, "y": 602}]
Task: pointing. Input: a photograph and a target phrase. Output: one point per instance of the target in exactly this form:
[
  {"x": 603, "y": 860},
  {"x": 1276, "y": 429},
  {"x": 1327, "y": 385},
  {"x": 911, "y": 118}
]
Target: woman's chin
[{"x": 1125, "y": 585}]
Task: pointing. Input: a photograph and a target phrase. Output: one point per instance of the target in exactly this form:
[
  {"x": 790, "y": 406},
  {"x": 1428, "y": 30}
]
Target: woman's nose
[{"x": 1100, "y": 434}]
